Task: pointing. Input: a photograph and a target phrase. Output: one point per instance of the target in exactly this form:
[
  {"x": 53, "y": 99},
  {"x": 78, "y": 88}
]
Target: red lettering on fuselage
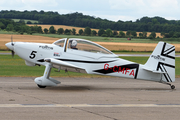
[
  {"x": 115, "y": 68},
  {"x": 132, "y": 73},
  {"x": 118, "y": 69},
  {"x": 127, "y": 70},
  {"x": 106, "y": 66},
  {"x": 121, "y": 70}
]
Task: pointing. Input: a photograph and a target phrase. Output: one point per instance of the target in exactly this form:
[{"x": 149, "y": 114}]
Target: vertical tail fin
[{"x": 162, "y": 60}]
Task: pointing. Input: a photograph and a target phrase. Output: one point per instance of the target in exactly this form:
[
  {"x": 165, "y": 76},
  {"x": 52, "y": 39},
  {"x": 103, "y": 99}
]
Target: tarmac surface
[{"x": 88, "y": 99}]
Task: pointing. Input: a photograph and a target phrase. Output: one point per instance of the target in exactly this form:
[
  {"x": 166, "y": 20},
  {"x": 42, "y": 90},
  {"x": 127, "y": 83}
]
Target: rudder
[{"x": 162, "y": 60}]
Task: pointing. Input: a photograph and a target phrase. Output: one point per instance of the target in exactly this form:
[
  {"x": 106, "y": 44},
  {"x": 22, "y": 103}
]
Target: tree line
[
  {"x": 155, "y": 24},
  {"x": 21, "y": 27}
]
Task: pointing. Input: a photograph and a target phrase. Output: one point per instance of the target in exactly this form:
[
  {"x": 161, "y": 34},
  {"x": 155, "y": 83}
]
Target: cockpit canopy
[{"x": 81, "y": 45}]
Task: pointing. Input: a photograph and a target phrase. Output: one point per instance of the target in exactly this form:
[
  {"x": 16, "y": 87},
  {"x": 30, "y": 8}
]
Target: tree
[
  {"x": 21, "y": 21},
  {"x": 10, "y": 27},
  {"x": 171, "y": 33},
  {"x": 80, "y": 32},
  {"x": 94, "y": 33},
  {"x": 60, "y": 31},
  {"x": 87, "y": 31},
  {"x": 17, "y": 27},
  {"x": 67, "y": 32},
  {"x": 133, "y": 33},
  {"x": 115, "y": 32},
  {"x": 39, "y": 29},
  {"x": 100, "y": 32},
  {"x": 176, "y": 35},
  {"x": 45, "y": 30},
  {"x": 140, "y": 35},
  {"x": 166, "y": 35},
  {"x": 155, "y": 21},
  {"x": 29, "y": 22},
  {"x": 128, "y": 33},
  {"x": 121, "y": 34},
  {"x": 144, "y": 34},
  {"x": 52, "y": 30},
  {"x": 156, "y": 24},
  {"x": 2, "y": 26},
  {"x": 162, "y": 34},
  {"x": 104, "y": 35},
  {"x": 74, "y": 31},
  {"x": 108, "y": 32},
  {"x": 153, "y": 35},
  {"x": 24, "y": 29},
  {"x": 150, "y": 36}
]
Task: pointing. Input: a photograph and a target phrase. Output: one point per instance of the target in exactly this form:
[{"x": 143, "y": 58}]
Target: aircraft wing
[{"x": 61, "y": 65}]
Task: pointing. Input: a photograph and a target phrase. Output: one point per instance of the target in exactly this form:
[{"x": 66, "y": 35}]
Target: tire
[
  {"x": 40, "y": 86},
  {"x": 172, "y": 87}
]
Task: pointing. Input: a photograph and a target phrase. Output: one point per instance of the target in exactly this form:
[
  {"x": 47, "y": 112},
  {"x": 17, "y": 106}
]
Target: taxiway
[{"x": 88, "y": 99}]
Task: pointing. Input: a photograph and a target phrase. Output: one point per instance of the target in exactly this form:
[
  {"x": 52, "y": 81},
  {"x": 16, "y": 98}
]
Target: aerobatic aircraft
[{"x": 84, "y": 56}]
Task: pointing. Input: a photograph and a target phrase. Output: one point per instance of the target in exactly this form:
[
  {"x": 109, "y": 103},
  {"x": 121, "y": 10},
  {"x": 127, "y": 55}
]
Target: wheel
[
  {"x": 40, "y": 86},
  {"x": 172, "y": 86}
]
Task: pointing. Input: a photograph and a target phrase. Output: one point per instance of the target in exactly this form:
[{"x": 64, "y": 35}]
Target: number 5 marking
[{"x": 33, "y": 55}]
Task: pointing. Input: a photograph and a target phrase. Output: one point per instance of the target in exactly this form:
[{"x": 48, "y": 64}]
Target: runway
[
  {"x": 85, "y": 105},
  {"x": 88, "y": 99}
]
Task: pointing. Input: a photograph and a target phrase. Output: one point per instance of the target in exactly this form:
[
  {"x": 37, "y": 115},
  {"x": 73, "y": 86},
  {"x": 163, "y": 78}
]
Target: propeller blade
[
  {"x": 12, "y": 41},
  {"x": 12, "y": 53}
]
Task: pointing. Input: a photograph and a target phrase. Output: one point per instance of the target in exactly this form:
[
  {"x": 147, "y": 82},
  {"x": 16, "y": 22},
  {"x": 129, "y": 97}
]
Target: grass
[
  {"x": 8, "y": 32},
  {"x": 15, "y": 67},
  {"x": 32, "y": 21},
  {"x": 5, "y": 51}
]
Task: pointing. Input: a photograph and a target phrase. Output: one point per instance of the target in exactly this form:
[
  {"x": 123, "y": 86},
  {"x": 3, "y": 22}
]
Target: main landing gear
[{"x": 45, "y": 80}]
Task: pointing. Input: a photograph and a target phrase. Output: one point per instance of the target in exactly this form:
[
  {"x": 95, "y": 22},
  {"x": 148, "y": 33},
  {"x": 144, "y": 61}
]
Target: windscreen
[{"x": 87, "y": 46}]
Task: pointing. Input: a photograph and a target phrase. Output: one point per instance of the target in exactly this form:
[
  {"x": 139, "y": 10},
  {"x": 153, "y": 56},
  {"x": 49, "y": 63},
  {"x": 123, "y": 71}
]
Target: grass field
[
  {"x": 15, "y": 67},
  {"x": 32, "y": 21}
]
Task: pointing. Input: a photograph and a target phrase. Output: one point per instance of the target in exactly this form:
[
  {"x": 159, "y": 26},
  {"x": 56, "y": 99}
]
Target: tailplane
[{"x": 162, "y": 60}]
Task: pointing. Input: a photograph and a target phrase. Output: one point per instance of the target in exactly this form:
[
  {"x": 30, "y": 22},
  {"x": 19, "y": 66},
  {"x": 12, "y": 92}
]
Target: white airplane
[{"x": 84, "y": 56}]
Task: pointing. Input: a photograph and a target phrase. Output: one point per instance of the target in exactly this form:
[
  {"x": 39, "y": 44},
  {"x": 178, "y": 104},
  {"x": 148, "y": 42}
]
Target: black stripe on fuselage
[{"x": 80, "y": 61}]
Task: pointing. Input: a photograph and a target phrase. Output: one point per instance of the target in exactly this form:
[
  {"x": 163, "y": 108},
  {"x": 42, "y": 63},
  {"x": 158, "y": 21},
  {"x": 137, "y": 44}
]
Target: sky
[{"x": 114, "y": 10}]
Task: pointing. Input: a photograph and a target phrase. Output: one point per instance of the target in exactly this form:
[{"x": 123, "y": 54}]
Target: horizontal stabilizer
[{"x": 154, "y": 71}]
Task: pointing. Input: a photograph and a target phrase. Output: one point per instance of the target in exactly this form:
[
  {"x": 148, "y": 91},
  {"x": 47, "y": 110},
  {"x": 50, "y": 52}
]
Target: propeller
[
  {"x": 12, "y": 52},
  {"x": 12, "y": 41}
]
